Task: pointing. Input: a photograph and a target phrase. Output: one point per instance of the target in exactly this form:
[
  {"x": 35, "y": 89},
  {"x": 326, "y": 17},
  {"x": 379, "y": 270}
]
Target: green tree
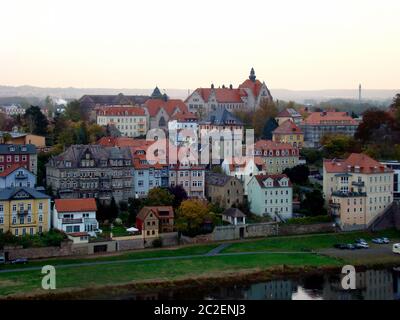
[
  {"x": 191, "y": 214},
  {"x": 266, "y": 110},
  {"x": 82, "y": 136},
  {"x": 159, "y": 197},
  {"x": 298, "y": 174},
  {"x": 339, "y": 145},
  {"x": 270, "y": 125},
  {"x": 313, "y": 204},
  {"x": 35, "y": 121},
  {"x": 75, "y": 112}
]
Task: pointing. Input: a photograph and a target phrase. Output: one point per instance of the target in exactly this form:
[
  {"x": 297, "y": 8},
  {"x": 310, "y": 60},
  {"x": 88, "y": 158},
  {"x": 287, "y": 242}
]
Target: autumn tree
[
  {"x": 191, "y": 214},
  {"x": 179, "y": 194},
  {"x": 339, "y": 145},
  {"x": 35, "y": 121},
  {"x": 265, "y": 111},
  {"x": 159, "y": 197}
]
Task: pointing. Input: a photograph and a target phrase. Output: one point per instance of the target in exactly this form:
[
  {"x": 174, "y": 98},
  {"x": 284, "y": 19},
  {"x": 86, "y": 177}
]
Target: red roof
[
  {"x": 170, "y": 106},
  {"x": 75, "y": 205},
  {"x": 243, "y": 161},
  {"x": 254, "y": 86},
  {"x": 330, "y": 117},
  {"x": 223, "y": 95},
  {"x": 121, "y": 111},
  {"x": 287, "y": 127},
  {"x": 122, "y": 142},
  {"x": 184, "y": 116},
  {"x": 11, "y": 169},
  {"x": 355, "y": 162}
]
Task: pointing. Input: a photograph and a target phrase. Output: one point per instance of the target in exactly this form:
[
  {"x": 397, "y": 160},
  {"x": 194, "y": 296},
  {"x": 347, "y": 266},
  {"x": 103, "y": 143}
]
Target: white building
[
  {"x": 130, "y": 121},
  {"x": 13, "y": 110},
  {"x": 271, "y": 195},
  {"x": 247, "y": 96},
  {"x": 395, "y": 166},
  {"x": 75, "y": 216},
  {"x": 183, "y": 129}
]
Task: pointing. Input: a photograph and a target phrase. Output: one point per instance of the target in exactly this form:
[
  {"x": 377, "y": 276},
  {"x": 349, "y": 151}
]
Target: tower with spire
[{"x": 252, "y": 75}]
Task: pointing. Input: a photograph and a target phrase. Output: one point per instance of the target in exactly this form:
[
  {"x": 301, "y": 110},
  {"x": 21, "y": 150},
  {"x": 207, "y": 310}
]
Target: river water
[{"x": 371, "y": 284}]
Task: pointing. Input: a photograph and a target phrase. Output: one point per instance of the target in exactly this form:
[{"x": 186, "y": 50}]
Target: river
[{"x": 371, "y": 284}]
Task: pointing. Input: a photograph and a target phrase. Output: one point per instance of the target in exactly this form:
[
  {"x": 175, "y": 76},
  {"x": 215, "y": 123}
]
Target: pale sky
[{"x": 308, "y": 44}]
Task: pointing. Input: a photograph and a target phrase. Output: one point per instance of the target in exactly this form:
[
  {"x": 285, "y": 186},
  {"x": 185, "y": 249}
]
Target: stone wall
[
  {"x": 15, "y": 252},
  {"x": 292, "y": 229}
]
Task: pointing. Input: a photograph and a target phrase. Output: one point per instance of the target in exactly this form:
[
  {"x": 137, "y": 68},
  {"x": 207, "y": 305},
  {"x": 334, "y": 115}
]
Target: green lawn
[
  {"x": 306, "y": 242},
  {"x": 190, "y": 250},
  {"x": 88, "y": 276}
]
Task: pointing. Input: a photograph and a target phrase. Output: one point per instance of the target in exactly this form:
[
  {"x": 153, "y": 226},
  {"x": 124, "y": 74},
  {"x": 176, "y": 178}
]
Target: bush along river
[{"x": 371, "y": 284}]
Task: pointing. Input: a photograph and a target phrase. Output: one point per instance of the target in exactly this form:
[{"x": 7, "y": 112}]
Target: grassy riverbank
[{"x": 186, "y": 264}]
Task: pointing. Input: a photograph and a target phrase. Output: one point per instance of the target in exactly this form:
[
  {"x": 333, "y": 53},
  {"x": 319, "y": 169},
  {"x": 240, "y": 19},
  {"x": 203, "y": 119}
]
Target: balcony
[
  {"x": 21, "y": 176},
  {"x": 71, "y": 221},
  {"x": 348, "y": 194},
  {"x": 360, "y": 184},
  {"x": 334, "y": 205},
  {"x": 23, "y": 212}
]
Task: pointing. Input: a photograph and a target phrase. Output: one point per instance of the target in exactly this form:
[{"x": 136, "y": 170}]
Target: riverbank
[{"x": 246, "y": 261}]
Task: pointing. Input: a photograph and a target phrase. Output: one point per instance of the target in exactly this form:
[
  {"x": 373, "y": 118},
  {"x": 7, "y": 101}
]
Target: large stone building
[
  {"x": 224, "y": 190},
  {"x": 160, "y": 111},
  {"x": 130, "y": 121},
  {"x": 247, "y": 96},
  {"x": 318, "y": 124},
  {"x": 357, "y": 189},
  {"x": 91, "y": 101},
  {"x": 271, "y": 195},
  {"x": 92, "y": 171}
]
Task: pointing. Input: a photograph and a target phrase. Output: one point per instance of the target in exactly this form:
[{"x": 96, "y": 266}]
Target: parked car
[
  {"x": 20, "y": 261},
  {"x": 360, "y": 241},
  {"x": 396, "y": 248},
  {"x": 362, "y": 245},
  {"x": 350, "y": 246},
  {"x": 385, "y": 240},
  {"x": 2, "y": 259},
  {"x": 340, "y": 246},
  {"x": 378, "y": 241}
]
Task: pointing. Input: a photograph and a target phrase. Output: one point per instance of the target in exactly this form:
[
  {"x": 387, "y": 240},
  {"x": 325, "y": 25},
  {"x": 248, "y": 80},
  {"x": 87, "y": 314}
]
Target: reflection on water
[{"x": 371, "y": 285}]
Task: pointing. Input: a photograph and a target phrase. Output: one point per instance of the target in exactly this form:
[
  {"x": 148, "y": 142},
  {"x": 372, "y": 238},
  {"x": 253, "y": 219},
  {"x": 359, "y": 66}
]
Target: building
[
  {"x": 13, "y": 110},
  {"x": 357, "y": 189},
  {"x": 17, "y": 176},
  {"x": 276, "y": 156},
  {"x": 247, "y": 96},
  {"x": 15, "y": 137},
  {"x": 146, "y": 175},
  {"x": 395, "y": 166},
  {"x": 289, "y": 114},
  {"x": 24, "y": 211},
  {"x": 92, "y": 171},
  {"x": 15, "y": 154},
  {"x": 75, "y": 216},
  {"x": 147, "y": 222},
  {"x": 234, "y": 216},
  {"x": 271, "y": 195},
  {"x": 165, "y": 216},
  {"x": 224, "y": 190},
  {"x": 190, "y": 176},
  {"x": 130, "y": 121},
  {"x": 94, "y": 101},
  {"x": 183, "y": 129},
  {"x": 222, "y": 133},
  {"x": 160, "y": 111},
  {"x": 318, "y": 124},
  {"x": 244, "y": 169},
  {"x": 288, "y": 132}
]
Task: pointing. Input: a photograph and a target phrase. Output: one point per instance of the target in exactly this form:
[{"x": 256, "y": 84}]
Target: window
[
  {"x": 16, "y": 232},
  {"x": 1, "y": 220},
  {"x": 40, "y": 229},
  {"x": 1, "y": 208},
  {"x": 40, "y": 218},
  {"x": 14, "y": 220},
  {"x": 31, "y": 231}
]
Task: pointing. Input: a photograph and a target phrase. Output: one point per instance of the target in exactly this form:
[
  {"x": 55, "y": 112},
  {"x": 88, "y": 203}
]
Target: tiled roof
[
  {"x": 153, "y": 106},
  {"x": 264, "y": 146},
  {"x": 217, "y": 179},
  {"x": 156, "y": 210},
  {"x": 222, "y": 117},
  {"x": 287, "y": 127},
  {"x": 288, "y": 112},
  {"x": 355, "y": 162},
  {"x": 275, "y": 177},
  {"x": 234, "y": 213},
  {"x": 254, "y": 86},
  {"x": 223, "y": 95},
  {"x": 114, "y": 99},
  {"x": 184, "y": 116},
  {"x": 11, "y": 169},
  {"x": 329, "y": 117},
  {"x": 75, "y": 205},
  {"x": 18, "y": 149},
  {"x": 8, "y": 193},
  {"x": 122, "y": 142},
  {"x": 244, "y": 161},
  {"x": 121, "y": 111}
]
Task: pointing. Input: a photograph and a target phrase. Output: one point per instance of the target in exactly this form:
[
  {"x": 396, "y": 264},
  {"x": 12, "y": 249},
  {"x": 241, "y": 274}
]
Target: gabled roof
[
  {"x": 254, "y": 86},
  {"x": 275, "y": 177},
  {"x": 217, "y": 179},
  {"x": 121, "y": 111},
  {"x": 75, "y": 205},
  {"x": 114, "y": 99},
  {"x": 18, "y": 149},
  {"x": 9, "y": 193},
  {"x": 288, "y": 112},
  {"x": 330, "y": 117},
  {"x": 356, "y": 162},
  {"x": 156, "y": 210},
  {"x": 287, "y": 127},
  {"x": 222, "y": 117},
  {"x": 11, "y": 169},
  {"x": 153, "y": 106},
  {"x": 185, "y": 116},
  {"x": 234, "y": 213},
  {"x": 266, "y": 145},
  {"x": 222, "y": 95}
]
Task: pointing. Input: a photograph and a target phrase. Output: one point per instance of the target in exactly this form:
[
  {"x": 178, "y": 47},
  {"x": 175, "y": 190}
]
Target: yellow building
[
  {"x": 288, "y": 132},
  {"x": 358, "y": 189},
  {"x": 24, "y": 211}
]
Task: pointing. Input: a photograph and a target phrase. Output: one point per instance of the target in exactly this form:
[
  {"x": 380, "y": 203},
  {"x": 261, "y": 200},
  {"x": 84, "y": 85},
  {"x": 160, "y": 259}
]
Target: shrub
[
  {"x": 310, "y": 220},
  {"x": 118, "y": 222},
  {"x": 157, "y": 243}
]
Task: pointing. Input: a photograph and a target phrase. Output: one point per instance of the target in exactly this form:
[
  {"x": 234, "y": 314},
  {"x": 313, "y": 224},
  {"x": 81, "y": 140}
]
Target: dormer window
[
  {"x": 23, "y": 148},
  {"x": 12, "y": 148},
  {"x": 68, "y": 164}
]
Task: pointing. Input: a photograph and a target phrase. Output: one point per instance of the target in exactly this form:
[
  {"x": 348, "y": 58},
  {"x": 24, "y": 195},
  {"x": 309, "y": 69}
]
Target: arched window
[{"x": 162, "y": 122}]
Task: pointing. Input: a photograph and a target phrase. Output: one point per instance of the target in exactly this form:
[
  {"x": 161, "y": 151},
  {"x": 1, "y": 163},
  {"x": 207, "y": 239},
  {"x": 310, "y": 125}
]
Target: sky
[{"x": 299, "y": 45}]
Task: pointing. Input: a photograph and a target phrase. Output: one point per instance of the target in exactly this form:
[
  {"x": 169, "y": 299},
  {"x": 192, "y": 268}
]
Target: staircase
[
  {"x": 279, "y": 217},
  {"x": 388, "y": 218}
]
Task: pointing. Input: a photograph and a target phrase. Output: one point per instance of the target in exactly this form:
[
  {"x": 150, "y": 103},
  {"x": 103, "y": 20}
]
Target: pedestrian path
[{"x": 218, "y": 249}]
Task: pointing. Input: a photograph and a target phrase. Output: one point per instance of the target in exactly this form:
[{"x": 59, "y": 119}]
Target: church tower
[{"x": 252, "y": 76}]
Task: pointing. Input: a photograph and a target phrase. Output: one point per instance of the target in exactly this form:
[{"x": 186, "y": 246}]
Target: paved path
[{"x": 212, "y": 253}]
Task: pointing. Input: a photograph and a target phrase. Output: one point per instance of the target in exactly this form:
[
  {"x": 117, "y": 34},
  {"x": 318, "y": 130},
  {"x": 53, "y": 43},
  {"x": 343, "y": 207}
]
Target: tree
[
  {"x": 339, "y": 145},
  {"x": 95, "y": 132},
  {"x": 35, "y": 121},
  {"x": 159, "y": 197},
  {"x": 269, "y": 127},
  {"x": 313, "y": 204},
  {"x": 298, "y": 174},
  {"x": 179, "y": 194},
  {"x": 266, "y": 110},
  {"x": 191, "y": 214},
  {"x": 82, "y": 134},
  {"x": 376, "y": 126},
  {"x": 75, "y": 112}
]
